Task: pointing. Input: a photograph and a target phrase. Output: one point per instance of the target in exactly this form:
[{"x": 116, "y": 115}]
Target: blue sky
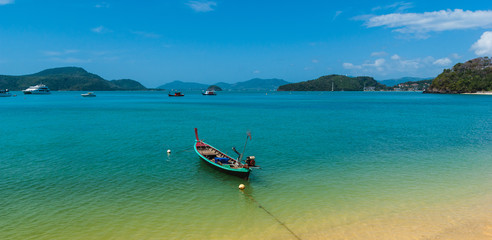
[{"x": 155, "y": 42}]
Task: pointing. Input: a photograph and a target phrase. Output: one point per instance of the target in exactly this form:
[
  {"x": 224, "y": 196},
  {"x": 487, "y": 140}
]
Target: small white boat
[
  {"x": 210, "y": 93},
  {"x": 38, "y": 89},
  {"x": 5, "y": 93},
  {"x": 89, "y": 94}
]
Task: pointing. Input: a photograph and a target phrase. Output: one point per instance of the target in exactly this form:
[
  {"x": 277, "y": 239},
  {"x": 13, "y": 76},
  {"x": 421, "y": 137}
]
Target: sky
[{"x": 156, "y": 42}]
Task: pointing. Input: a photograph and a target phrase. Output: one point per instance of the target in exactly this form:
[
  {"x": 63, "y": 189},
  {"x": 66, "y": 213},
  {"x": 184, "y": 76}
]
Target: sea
[{"x": 333, "y": 165}]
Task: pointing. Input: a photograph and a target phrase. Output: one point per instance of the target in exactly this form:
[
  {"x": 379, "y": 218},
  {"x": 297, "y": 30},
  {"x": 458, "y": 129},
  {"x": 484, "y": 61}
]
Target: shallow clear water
[{"x": 97, "y": 168}]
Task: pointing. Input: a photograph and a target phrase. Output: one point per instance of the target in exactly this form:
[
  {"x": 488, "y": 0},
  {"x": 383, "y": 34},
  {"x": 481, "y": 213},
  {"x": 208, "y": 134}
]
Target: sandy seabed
[{"x": 470, "y": 220}]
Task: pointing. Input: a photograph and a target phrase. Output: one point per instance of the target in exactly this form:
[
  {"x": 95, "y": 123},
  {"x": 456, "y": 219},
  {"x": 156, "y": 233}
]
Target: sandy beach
[{"x": 480, "y": 93}]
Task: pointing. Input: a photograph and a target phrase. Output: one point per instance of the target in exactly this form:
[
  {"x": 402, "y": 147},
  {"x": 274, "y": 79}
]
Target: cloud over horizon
[
  {"x": 416, "y": 67},
  {"x": 437, "y": 21}
]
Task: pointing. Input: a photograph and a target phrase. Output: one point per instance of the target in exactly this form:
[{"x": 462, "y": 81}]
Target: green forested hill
[
  {"x": 255, "y": 84},
  {"x": 472, "y": 76},
  {"x": 335, "y": 82},
  {"x": 67, "y": 79}
]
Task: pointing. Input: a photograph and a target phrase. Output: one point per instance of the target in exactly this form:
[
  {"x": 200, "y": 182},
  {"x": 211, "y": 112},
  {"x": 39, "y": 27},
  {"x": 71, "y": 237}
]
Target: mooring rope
[
  {"x": 273, "y": 216},
  {"x": 257, "y": 203}
]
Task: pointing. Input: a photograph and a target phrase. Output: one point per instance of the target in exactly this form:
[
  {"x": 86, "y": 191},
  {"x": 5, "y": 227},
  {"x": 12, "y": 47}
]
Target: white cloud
[
  {"x": 146, "y": 34},
  {"x": 377, "y": 54},
  {"x": 337, "y": 13},
  {"x": 202, "y": 6},
  {"x": 351, "y": 66},
  {"x": 399, "y": 66},
  {"x": 377, "y": 63},
  {"x": 102, "y": 5},
  {"x": 455, "y": 56},
  {"x": 100, "y": 29},
  {"x": 60, "y": 53},
  {"x": 437, "y": 21},
  {"x": 5, "y": 2},
  {"x": 442, "y": 62},
  {"x": 70, "y": 60},
  {"x": 399, "y": 6},
  {"x": 484, "y": 45}
]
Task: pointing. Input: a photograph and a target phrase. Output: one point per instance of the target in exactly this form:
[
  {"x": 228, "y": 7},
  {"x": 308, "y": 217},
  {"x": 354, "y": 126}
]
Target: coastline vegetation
[
  {"x": 335, "y": 83},
  {"x": 68, "y": 79},
  {"x": 470, "y": 77}
]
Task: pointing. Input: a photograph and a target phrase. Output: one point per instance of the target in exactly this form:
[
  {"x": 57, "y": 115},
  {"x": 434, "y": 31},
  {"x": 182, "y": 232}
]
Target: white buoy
[
  {"x": 241, "y": 186},
  {"x": 169, "y": 151}
]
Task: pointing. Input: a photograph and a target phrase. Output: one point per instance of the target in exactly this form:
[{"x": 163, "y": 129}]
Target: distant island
[
  {"x": 255, "y": 84},
  {"x": 182, "y": 86},
  {"x": 68, "y": 79},
  {"x": 336, "y": 83},
  {"x": 470, "y": 77},
  {"x": 214, "y": 88}
]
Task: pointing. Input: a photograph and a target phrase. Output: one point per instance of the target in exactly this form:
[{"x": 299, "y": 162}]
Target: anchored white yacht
[{"x": 38, "y": 89}]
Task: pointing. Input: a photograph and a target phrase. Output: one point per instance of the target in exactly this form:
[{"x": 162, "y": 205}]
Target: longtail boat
[
  {"x": 221, "y": 161},
  {"x": 176, "y": 94}
]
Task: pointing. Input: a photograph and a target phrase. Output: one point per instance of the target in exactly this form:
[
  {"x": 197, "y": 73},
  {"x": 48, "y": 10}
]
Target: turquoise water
[{"x": 97, "y": 168}]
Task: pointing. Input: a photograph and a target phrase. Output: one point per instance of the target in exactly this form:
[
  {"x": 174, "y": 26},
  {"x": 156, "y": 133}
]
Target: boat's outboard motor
[{"x": 251, "y": 161}]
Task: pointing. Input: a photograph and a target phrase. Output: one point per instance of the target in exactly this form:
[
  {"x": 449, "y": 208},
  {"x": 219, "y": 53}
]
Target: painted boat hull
[
  {"x": 36, "y": 93},
  {"x": 238, "y": 172}
]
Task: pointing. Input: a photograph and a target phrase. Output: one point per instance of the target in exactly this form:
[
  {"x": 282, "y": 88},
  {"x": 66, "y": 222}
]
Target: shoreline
[{"x": 479, "y": 93}]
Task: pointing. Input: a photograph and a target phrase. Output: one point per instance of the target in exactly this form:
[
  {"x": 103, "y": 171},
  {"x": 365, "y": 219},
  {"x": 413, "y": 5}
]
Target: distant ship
[{"x": 38, "y": 89}]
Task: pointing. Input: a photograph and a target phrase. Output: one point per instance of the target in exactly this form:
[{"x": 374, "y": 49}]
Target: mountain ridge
[
  {"x": 68, "y": 79},
  {"x": 255, "y": 84},
  {"x": 335, "y": 83}
]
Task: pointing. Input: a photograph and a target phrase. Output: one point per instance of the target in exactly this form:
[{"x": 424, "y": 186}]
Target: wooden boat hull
[{"x": 202, "y": 147}]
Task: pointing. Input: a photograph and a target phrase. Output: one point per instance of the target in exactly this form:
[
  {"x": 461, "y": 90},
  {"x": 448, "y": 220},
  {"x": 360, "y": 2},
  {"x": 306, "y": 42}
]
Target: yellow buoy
[{"x": 241, "y": 186}]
